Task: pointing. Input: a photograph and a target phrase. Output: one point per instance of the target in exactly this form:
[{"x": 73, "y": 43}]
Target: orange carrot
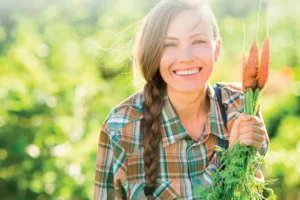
[
  {"x": 250, "y": 68},
  {"x": 263, "y": 70}
]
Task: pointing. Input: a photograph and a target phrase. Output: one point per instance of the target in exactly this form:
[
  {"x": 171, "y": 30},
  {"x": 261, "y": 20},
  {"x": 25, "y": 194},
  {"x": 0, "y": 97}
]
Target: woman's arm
[{"x": 103, "y": 186}]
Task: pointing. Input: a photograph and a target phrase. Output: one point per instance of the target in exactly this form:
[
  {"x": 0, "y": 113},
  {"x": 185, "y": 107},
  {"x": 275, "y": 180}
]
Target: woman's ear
[{"x": 217, "y": 49}]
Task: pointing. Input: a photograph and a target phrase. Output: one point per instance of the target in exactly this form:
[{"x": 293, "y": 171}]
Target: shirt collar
[{"x": 172, "y": 129}]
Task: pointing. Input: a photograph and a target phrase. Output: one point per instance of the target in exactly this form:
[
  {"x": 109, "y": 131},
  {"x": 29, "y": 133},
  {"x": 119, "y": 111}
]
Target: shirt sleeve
[{"x": 103, "y": 186}]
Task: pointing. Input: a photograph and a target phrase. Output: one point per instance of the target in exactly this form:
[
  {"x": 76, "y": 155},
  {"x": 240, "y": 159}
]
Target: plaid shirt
[{"x": 184, "y": 163}]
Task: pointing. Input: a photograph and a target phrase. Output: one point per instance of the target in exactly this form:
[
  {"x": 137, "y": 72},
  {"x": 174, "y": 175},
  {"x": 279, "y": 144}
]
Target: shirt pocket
[
  {"x": 135, "y": 166},
  {"x": 168, "y": 190}
]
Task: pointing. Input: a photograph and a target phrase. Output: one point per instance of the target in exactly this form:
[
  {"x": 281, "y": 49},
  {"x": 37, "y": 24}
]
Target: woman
[{"x": 159, "y": 143}]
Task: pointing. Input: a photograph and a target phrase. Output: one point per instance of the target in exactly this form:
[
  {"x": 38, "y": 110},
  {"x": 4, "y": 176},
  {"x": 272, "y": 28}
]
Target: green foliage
[
  {"x": 235, "y": 178},
  {"x": 55, "y": 94},
  {"x": 284, "y": 159}
]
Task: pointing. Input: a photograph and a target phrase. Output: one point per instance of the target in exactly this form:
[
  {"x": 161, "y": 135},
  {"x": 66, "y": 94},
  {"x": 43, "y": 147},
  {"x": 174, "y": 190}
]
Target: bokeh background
[{"x": 64, "y": 64}]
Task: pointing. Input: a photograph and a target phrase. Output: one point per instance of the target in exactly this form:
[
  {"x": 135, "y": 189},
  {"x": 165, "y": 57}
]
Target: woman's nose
[{"x": 186, "y": 55}]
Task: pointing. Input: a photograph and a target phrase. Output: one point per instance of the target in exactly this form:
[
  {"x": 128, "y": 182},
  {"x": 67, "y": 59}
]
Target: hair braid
[{"x": 153, "y": 96}]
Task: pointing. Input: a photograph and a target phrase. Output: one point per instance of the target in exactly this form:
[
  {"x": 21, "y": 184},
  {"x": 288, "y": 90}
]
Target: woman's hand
[{"x": 248, "y": 130}]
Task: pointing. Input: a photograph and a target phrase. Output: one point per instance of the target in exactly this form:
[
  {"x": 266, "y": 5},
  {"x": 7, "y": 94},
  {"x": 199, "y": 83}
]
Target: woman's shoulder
[
  {"x": 122, "y": 125},
  {"x": 232, "y": 93},
  {"x": 129, "y": 110},
  {"x": 232, "y": 99}
]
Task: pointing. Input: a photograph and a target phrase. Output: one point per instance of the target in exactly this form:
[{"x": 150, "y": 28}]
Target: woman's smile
[{"x": 187, "y": 72}]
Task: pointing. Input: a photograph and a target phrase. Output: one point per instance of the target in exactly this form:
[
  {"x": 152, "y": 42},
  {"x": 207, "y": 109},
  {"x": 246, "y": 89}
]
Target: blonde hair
[{"x": 148, "y": 50}]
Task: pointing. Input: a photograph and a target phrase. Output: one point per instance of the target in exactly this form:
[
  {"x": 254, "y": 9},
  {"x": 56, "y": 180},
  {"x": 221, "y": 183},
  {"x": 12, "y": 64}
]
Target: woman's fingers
[
  {"x": 234, "y": 134},
  {"x": 252, "y": 120},
  {"x": 252, "y": 132},
  {"x": 252, "y": 136},
  {"x": 248, "y": 130},
  {"x": 250, "y": 142},
  {"x": 252, "y": 128}
]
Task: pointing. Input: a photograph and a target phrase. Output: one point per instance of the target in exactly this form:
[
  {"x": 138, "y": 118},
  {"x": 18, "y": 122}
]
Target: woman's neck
[{"x": 190, "y": 106}]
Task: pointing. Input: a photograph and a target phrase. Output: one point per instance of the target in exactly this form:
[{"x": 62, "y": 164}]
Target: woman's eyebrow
[
  {"x": 192, "y": 36},
  {"x": 171, "y": 38},
  {"x": 197, "y": 34}
]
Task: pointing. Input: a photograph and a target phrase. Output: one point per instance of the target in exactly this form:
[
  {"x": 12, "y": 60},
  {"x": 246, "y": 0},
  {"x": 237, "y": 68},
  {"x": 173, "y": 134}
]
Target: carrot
[
  {"x": 263, "y": 70},
  {"x": 250, "y": 68}
]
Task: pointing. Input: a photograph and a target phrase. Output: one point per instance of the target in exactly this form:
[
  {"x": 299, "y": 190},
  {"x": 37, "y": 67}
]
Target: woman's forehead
[{"x": 189, "y": 22}]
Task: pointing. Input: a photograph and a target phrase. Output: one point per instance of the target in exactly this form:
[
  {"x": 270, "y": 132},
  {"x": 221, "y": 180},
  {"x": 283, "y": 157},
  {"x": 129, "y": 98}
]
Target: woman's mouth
[{"x": 187, "y": 72}]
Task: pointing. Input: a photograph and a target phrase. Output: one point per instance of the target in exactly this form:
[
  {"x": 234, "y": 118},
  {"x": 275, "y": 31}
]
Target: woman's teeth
[{"x": 187, "y": 72}]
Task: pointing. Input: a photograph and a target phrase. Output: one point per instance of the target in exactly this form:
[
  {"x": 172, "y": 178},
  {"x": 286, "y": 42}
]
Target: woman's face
[{"x": 189, "y": 53}]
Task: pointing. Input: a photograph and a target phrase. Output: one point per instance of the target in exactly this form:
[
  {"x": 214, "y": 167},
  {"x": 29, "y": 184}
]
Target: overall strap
[
  {"x": 221, "y": 106},
  {"x": 222, "y": 143}
]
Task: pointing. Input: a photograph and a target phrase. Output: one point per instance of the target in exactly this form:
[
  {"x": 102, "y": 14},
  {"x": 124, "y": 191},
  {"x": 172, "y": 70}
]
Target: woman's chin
[{"x": 187, "y": 89}]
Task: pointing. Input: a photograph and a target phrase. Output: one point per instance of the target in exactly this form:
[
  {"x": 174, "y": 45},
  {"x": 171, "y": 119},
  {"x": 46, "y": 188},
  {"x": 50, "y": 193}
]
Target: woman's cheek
[
  {"x": 166, "y": 60},
  {"x": 204, "y": 52}
]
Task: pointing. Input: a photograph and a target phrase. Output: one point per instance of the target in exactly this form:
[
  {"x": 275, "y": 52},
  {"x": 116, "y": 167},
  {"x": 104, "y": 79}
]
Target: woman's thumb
[{"x": 234, "y": 134}]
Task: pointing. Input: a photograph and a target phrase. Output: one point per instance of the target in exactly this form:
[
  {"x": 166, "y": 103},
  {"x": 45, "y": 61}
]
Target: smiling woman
[{"x": 160, "y": 142}]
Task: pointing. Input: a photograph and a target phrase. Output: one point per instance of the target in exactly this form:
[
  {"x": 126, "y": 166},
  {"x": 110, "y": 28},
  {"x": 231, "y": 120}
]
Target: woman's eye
[
  {"x": 198, "y": 42},
  {"x": 170, "y": 45}
]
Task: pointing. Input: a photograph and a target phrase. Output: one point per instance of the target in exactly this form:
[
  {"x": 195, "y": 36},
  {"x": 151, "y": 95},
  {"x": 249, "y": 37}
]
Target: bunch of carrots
[
  {"x": 234, "y": 179},
  {"x": 255, "y": 75}
]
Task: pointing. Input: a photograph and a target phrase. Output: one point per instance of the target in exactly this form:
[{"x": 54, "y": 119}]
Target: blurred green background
[{"x": 64, "y": 64}]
